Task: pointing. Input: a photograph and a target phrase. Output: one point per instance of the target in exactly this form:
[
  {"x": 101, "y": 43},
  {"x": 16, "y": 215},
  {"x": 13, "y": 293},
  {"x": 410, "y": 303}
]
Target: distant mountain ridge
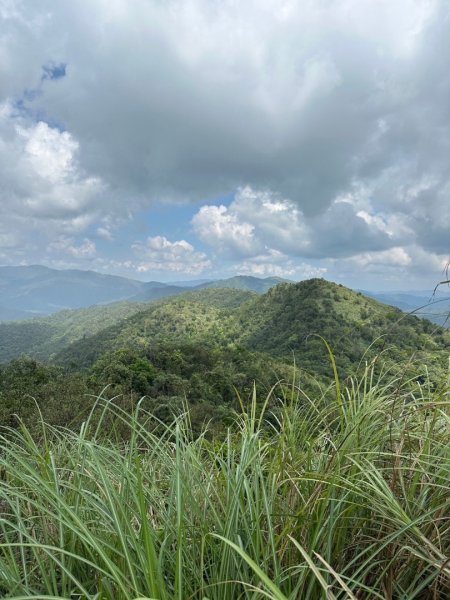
[
  {"x": 36, "y": 290},
  {"x": 433, "y": 305},
  {"x": 31, "y": 291}
]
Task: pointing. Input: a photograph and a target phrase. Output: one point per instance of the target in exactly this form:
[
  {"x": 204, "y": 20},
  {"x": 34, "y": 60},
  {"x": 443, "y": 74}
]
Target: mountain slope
[
  {"x": 285, "y": 322},
  {"x": 11, "y": 314},
  {"x": 204, "y": 316},
  {"x": 44, "y": 336}
]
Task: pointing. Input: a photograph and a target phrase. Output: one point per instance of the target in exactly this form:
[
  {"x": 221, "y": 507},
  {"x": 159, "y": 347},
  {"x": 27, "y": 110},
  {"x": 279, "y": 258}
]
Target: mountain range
[
  {"x": 36, "y": 291},
  {"x": 433, "y": 305},
  {"x": 203, "y": 344},
  {"x": 30, "y": 291},
  {"x": 282, "y": 322}
]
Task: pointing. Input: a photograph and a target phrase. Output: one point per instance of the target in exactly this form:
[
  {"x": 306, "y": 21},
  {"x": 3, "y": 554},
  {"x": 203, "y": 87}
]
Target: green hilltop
[
  {"x": 285, "y": 323},
  {"x": 287, "y": 320},
  {"x": 206, "y": 345}
]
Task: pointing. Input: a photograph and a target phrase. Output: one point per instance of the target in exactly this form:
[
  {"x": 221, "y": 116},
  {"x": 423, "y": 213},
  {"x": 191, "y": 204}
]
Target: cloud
[
  {"x": 7, "y": 240},
  {"x": 397, "y": 257},
  {"x": 105, "y": 233},
  {"x": 258, "y": 220},
  {"x": 334, "y": 116},
  {"x": 66, "y": 245},
  {"x": 159, "y": 254},
  {"x": 277, "y": 264},
  {"x": 397, "y": 268},
  {"x": 221, "y": 228},
  {"x": 41, "y": 179},
  {"x": 350, "y": 239},
  {"x": 188, "y": 98}
]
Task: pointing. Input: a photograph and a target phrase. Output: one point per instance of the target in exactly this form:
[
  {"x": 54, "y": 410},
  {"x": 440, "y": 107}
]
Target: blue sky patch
[{"x": 54, "y": 71}]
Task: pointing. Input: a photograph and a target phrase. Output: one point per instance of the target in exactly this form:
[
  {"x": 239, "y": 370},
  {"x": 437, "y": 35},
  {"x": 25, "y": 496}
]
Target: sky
[{"x": 195, "y": 139}]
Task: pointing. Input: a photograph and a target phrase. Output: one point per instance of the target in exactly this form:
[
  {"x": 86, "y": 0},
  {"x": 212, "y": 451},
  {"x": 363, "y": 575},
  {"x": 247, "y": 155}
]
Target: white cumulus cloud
[
  {"x": 44, "y": 192},
  {"x": 159, "y": 254},
  {"x": 67, "y": 245},
  {"x": 258, "y": 220}
]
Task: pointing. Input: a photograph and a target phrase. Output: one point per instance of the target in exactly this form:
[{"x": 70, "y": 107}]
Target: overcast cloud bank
[{"x": 328, "y": 122}]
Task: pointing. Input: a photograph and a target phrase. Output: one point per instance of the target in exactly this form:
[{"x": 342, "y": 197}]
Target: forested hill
[
  {"x": 202, "y": 346},
  {"x": 44, "y": 337},
  {"x": 284, "y": 323},
  {"x": 287, "y": 320},
  {"x": 208, "y": 317}
]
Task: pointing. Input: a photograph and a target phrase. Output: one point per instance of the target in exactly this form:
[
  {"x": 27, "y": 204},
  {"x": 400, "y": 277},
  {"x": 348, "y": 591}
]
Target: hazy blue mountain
[
  {"x": 12, "y": 314},
  {"x": 34, "y": 291},
  {"x": 37, "y": 290},
  {"x": 434, "y": 306}
]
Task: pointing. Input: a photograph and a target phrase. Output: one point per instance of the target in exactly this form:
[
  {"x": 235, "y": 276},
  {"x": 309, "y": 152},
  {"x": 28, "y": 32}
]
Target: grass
[{"x": 341, "y": 496}]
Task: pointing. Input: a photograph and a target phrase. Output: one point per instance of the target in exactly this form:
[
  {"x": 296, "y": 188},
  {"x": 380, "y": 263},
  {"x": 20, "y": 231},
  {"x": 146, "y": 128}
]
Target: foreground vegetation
[{"x": 342, "y": 494}]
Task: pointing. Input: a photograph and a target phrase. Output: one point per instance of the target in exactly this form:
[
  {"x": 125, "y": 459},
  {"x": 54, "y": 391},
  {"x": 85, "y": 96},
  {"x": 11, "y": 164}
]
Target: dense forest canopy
[{"x": 204, "y": 347}]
